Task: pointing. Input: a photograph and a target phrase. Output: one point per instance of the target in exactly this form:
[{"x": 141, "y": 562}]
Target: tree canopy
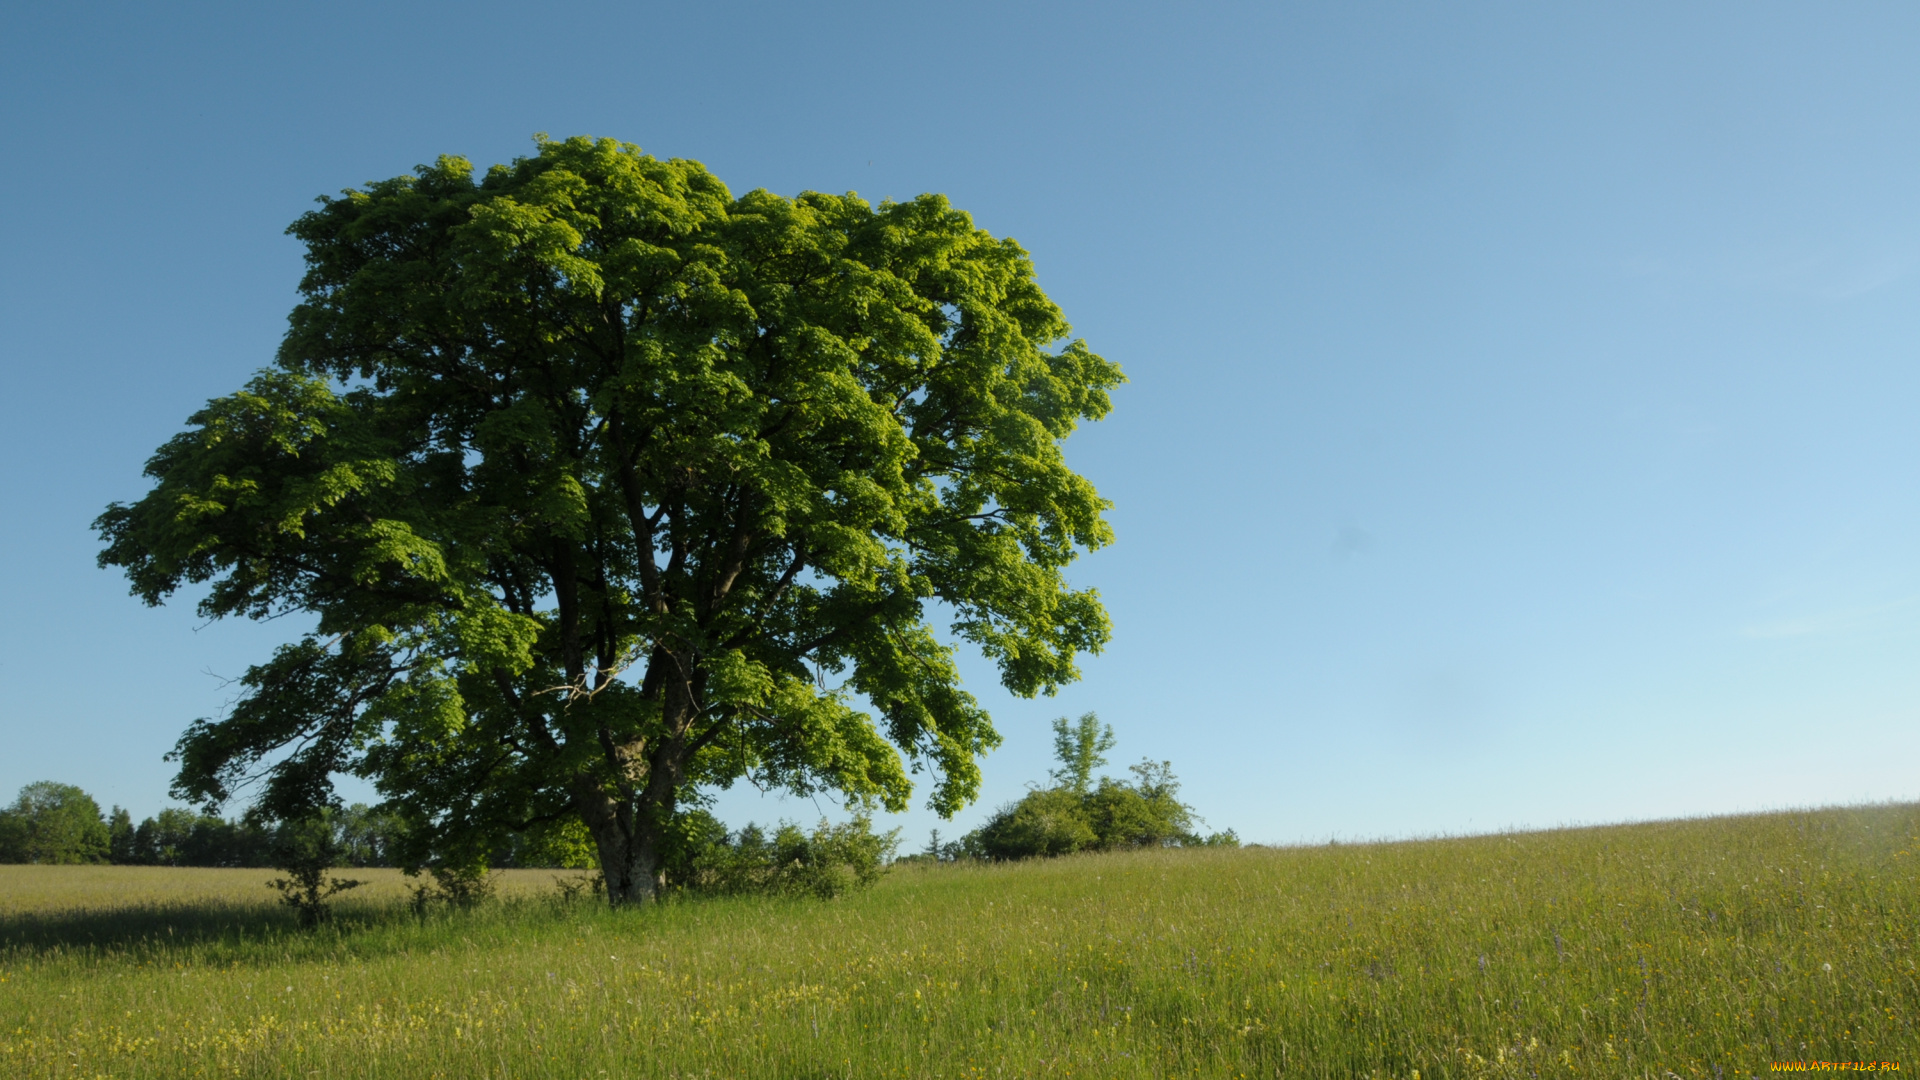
[
  {"x": 603, "y": 487},
  {"x": 53, "y": 823},
  {"x": 1081, "y": 747}
]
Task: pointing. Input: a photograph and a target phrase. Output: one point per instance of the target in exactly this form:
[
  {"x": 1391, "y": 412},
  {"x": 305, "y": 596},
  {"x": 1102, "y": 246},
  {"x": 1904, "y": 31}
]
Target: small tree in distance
[{"x": 1081, "y": 748}]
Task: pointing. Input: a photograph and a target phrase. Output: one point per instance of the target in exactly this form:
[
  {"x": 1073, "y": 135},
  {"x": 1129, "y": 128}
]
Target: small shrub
[
  {"x": 694, "y": 847},
  {"x": 837, "y": 858},
  {"x": 457, "y": 886},
  {"x": 306, "y": 850}
]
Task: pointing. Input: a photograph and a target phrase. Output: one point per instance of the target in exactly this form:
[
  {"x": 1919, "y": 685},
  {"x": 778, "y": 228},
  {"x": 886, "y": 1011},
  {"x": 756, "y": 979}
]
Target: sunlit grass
[
  {"x": 1704, "y": 948},
  {"x": 47, "y": 889}
]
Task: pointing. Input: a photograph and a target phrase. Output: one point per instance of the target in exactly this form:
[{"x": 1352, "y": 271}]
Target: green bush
[
  {"x": 694, "y": 842},
  {"x": 1079, "y": 815},
  {"x": 828, "y": 862},
  {"x": 306, "y": 850},
  {"x": 1145, "y": 813},
  {"x": 455, "y": 885},
  {"x": 1049, "y": 821}
]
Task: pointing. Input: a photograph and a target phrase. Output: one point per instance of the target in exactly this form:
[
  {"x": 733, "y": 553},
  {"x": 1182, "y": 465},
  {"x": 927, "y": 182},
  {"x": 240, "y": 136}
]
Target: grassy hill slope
[{"x": 1705, "y": 948}]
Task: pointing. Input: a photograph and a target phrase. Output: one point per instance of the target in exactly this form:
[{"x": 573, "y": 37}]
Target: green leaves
[
  {"x": 271, "y": 490},
  {"x": 633, "y": 486},
  {"x": 53, "y": 823},
  {"x": 1077, "y": 815}
]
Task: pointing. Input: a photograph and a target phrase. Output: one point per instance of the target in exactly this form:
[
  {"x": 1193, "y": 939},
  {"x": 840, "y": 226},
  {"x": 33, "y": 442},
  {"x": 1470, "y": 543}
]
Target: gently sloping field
[{"x": 1705, "y": 948}]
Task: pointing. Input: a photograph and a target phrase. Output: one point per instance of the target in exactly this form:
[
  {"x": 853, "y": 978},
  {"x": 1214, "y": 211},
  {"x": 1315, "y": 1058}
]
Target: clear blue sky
[{"x": 1522, "y": 426}]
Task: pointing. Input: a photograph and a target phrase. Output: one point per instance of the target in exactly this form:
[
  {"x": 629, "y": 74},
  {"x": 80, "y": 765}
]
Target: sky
[{"x": 1521, "y": 427}]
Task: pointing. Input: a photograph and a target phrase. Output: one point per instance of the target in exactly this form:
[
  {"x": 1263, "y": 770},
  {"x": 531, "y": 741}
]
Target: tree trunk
[
  {"x": 630, "y": 831},
  {"x": 630, "y": 869},
  {"x": 628, "y": 846},
  {"x": 630, "y": 836}
]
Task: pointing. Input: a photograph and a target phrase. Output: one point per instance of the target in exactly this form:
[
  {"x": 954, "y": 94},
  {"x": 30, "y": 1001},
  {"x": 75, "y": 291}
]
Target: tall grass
[{"x": 1698, "y": 948}]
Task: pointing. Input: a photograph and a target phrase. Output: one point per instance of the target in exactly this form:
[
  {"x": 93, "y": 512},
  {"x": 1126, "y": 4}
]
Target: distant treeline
[
  {"x": 176, "y": 837},
  {"x": 1078, "y": 812},
  {"x": 60, "y": 823}
]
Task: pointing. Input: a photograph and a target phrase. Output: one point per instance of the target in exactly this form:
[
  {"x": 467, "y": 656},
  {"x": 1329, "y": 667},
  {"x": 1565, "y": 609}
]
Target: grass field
[{"x": 1705, "y": 948}]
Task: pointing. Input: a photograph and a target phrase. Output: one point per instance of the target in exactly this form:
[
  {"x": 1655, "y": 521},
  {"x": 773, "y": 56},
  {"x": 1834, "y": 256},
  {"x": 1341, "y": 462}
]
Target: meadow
[{"x": 1699, "y": 948}]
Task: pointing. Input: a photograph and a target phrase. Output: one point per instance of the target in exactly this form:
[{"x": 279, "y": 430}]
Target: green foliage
[
  {"x": 1144, "y": 813},
  {"x": 121, "y": 850},
  {"x": 168, "y": 839},
  {"x": 363, "y": 836},
  {"x": 306, "y": 849},
  {"x": 1081, "y": 748},
  {"x": 13, "y": 838},
  {"x": 368, "y": 835},
  {"x": 177, "y": 837},
  {"x": 562, "y": 844},
  {"x": 454, "y": 886},
  {"x": 53, "y": 823},
  {"x": 605, "y": 487},
  {"x": 695, "y": 840},
  {"x": 1046, "y": 822},
  {"x": 828, "y": 862},
  {"x": 1078, "y": 815}
]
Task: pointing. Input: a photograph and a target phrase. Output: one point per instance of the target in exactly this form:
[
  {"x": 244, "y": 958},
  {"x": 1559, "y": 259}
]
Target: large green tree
[
  {"x": 53, "y": 823},
  {"x": 604, "y": 487}
]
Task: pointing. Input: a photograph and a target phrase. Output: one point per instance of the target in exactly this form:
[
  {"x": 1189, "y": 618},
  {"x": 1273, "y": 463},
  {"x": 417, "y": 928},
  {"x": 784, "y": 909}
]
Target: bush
[
  {"x": 1049, "y": 821},
  {"x": 1078, "y": 815},
  {"x": 568, "y": 891},
  {"x": 696, "y": 847},
  {"x": 1145, "y": 813},
  {"x": 461, "y": 886},
  {"x": 828, "y": 862},
  {"x": 306, "y": 850}
]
